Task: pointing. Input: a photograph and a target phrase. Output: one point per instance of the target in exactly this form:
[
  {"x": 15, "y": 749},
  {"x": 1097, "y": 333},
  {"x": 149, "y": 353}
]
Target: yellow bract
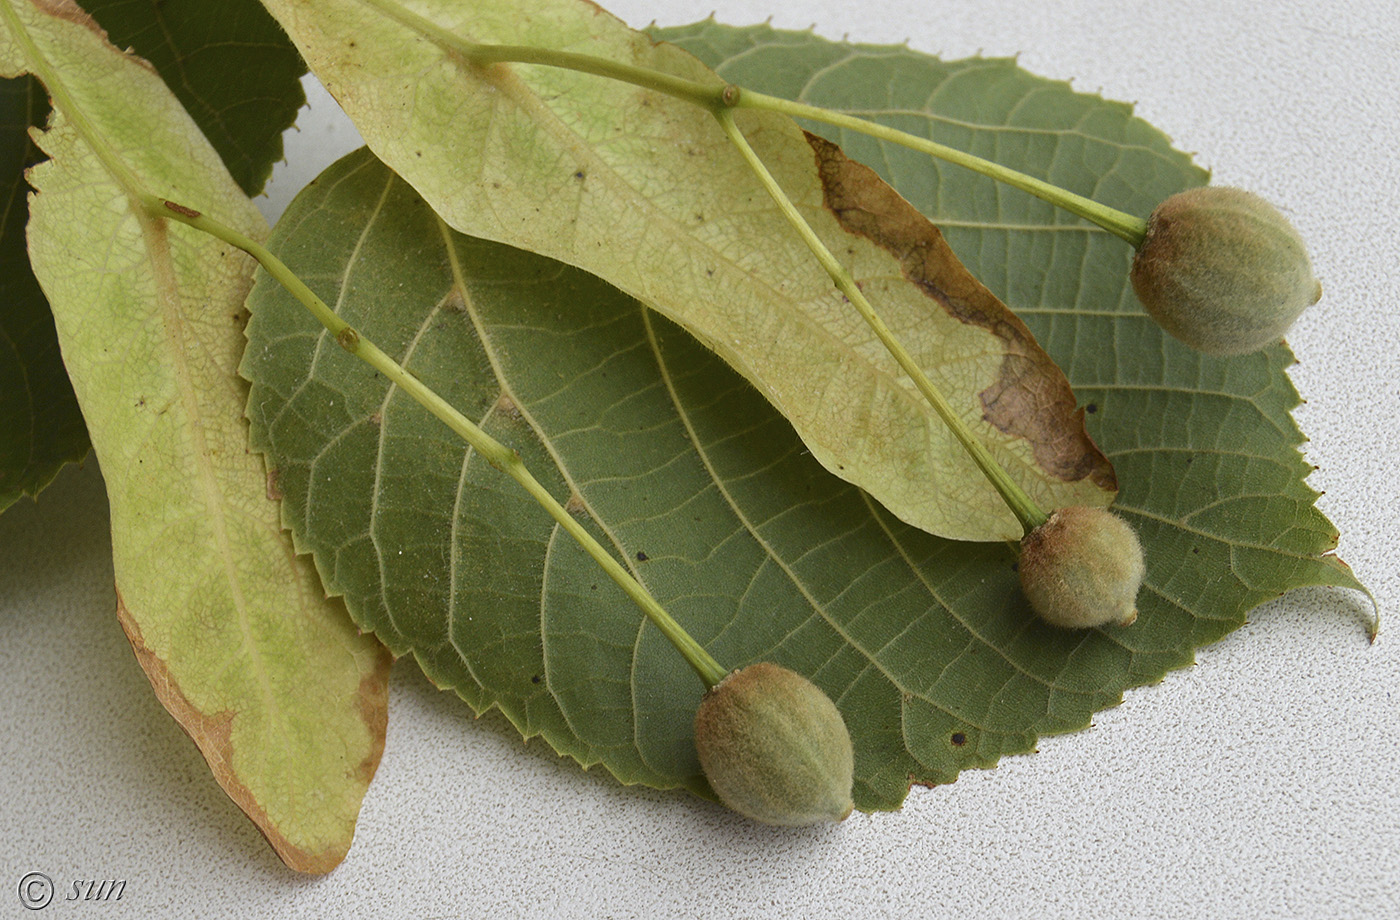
[
  {"x": 644, "y": 191},
  {"x": 284, "y": 698}
]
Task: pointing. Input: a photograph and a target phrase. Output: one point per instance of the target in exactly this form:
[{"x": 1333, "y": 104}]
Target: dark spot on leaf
[
  {"x": 641, "y": 556},
  {"x": 535, "y": 679},
  {"x": 1030, "y": 399},
  {"x": 579, "y": 174},
  {"x": 1196, "y": 550},
  {"x": 959, "y": 739},
  {"x": 1091, "y": 408},
  {"x": 180, "y": 209}
]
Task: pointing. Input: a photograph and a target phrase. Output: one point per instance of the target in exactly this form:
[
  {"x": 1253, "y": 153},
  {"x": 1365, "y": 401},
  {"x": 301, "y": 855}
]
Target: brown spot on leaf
[
  {"x": 575, "y": 505},
  {"x": 274, "y": 488},
  {"x": 180, "y": 209},
  {"x": 1031, "y": 399}
]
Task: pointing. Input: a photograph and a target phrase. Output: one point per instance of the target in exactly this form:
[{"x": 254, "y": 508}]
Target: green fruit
[
  {"x": 775, "y": 748},
  {"x": 1082, "y": 568},
  {"x": 1223, "y": 271}
]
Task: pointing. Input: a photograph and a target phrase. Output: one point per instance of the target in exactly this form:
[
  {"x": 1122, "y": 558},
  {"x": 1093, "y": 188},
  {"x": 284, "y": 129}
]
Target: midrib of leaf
[
  {"x": 63, "y": 101},
  {"x": 156, "y": 236}
]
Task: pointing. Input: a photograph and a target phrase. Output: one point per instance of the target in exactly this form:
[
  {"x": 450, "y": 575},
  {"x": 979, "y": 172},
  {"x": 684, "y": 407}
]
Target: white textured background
[{"x": 1260, "y": 783}]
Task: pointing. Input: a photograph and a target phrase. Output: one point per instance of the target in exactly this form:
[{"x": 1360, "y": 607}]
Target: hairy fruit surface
[
  {"x": 1223, "y": 271},
  {"x": 775, "y": 748},
  {"x": 1082, "y": 568}
]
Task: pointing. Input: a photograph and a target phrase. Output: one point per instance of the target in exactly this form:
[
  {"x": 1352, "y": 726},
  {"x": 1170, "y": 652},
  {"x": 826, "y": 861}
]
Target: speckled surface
[{"x": 1260, "y": 783}]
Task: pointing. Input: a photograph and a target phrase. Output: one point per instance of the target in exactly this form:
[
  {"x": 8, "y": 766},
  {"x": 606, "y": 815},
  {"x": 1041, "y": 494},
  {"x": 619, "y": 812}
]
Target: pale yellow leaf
[
  {"x": 285, "y": 699},
  {"x": 643, "y": 190}
]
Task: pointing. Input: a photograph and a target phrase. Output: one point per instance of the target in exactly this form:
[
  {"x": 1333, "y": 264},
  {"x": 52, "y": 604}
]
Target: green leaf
[
  {"x": 705, "y": 493},
  {"x": 285, "y": 699},
  {"x": 230, "y": 65},
  {"x": 642, "y": 190},
  {"x": 41, "y": 427}
]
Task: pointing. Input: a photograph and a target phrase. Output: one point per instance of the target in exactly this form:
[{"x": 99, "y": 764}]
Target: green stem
[
  {"x": 1121, "y": 224},
  {"x": 714, "y": 96},
  {"x": 708, "y": 95},
  {"x": 1026, "y": 510},
  {"x": 496, "y": 453}
]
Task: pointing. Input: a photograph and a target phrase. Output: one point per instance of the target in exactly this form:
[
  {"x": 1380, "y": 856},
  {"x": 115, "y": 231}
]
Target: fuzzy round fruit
[
  {"x": 1223, "y": 271},
  {"x": 1082, "y": 568},
  {"x": 775, "y": 748}
]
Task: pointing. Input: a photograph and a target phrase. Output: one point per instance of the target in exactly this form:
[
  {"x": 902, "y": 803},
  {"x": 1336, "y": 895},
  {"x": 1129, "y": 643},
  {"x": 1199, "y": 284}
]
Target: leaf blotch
[{"x": 1031, "y": 399}]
